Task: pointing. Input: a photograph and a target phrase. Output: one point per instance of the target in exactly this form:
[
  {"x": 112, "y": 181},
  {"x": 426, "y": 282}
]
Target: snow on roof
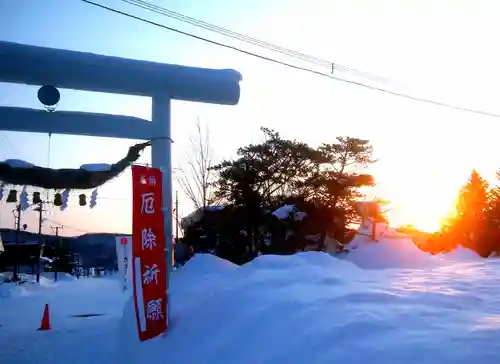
[
  {"x": 46, "y": 260},
  {"x": 197, "y": 215},
  {"x": 284, "y": 212},
  {"x": 18, "y": 163},
  {"x": 96, "y": 167},
  {"x": 95, "y": 72},
  {"x": 214, "y": 208},
  {"x": 300, "y": 215}
]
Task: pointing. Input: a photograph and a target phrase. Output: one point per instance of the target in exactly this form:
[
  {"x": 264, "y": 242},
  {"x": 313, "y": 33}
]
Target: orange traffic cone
[{"x": 45, "y": 325}]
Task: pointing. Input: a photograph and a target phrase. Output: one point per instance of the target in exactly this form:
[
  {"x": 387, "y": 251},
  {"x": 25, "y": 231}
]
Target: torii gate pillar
[{"x": 32, "y": 65}]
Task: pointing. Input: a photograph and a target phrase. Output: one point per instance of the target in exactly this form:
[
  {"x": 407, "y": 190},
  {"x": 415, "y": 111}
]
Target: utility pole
[
  {"x": 17, "y": 215},
  {"x": 41, "y": 242},
  {"x": 56, "y": 228},
  {"x": 176, "y": 215}
]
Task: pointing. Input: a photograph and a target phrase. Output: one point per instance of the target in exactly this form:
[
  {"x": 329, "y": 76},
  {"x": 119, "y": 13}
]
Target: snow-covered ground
[
  {"x": 72, "y": 340},
  {"x": 308, "y": 308}
]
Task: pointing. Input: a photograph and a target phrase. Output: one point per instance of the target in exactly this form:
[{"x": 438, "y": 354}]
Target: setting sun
[
  {"x": 422, "y": 202},
  {"x": 412, "y": 211}
]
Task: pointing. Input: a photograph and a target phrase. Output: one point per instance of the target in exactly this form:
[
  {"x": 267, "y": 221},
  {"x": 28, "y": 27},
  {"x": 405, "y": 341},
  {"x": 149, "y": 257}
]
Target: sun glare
[{"x": 424, "y": 207}]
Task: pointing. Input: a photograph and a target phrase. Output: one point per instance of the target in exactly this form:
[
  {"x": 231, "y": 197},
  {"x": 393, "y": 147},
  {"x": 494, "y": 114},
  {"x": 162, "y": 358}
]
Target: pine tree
[
  {"x": 472, "y": 207},
  {"x": 473, "y": 200},
  {"x": 494, "y": 210},
  {"x": 489, "y": 241}
]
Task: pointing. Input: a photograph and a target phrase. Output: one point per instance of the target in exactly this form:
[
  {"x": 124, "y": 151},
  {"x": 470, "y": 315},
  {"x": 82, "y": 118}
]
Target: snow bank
[
  {"x": 314, "y": 308},
  {"x": 207, "y": 265},
  {"x": 29, "y": 286},
  {"x": 397, "y": 250},
  {"x": 391, "y": 250},
  {"x": 460, "y": 254}
]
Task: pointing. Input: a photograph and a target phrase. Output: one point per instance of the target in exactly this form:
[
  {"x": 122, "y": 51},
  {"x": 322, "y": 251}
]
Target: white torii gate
[{"x": 33, "y": 65}]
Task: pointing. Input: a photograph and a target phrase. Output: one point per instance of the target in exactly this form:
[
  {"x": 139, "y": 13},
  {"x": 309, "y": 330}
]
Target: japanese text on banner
[{"x": 148, "y": 236}]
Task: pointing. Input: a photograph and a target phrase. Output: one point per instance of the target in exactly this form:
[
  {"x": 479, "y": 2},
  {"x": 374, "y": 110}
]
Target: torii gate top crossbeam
[{"x": 33, "y": 65}]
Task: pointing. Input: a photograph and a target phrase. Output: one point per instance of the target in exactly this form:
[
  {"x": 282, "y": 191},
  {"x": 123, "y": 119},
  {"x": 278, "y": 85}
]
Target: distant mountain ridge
[{"x": 94, "y": 248}]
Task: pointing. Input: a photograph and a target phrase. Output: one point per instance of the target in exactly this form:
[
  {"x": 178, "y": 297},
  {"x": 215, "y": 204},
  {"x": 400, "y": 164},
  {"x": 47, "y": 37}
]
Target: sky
[{"x": 439, "y": 49}]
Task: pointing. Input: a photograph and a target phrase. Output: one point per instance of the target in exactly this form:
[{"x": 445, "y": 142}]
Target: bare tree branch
[{"x": 196, "y": 179}]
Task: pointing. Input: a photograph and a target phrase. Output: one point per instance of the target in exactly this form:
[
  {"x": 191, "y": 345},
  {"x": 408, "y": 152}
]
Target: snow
[
  {"x": 460, "y": 254},
  {"x": 375, "y": 305},
  {"x": 397, "y": 250},
  {"x": 314, "y": 308},
  {"x": 76, "y": 340},
  {"x": 284, "y": 212},
  {"x": 96, "y": 167},
  {"x": 300, "y": 215},
  {"x": 93, "y": 72},
  {"x": 18, "y": 163},
  {"x": 391, "y": 250},
  {"x": 198, "y": 214},
  {"x": 214, "y": 208}
]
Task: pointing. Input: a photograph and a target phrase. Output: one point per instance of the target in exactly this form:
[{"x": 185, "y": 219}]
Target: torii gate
[{"x": 33, "y": 65}]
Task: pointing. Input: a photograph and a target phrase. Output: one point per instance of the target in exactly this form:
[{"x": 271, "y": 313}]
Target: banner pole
[{"x": 161, "y": 150}]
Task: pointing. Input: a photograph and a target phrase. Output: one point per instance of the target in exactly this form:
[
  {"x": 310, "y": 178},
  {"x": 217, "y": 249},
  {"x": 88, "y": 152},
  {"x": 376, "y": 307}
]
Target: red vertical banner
[{"x": 148, "y": 251}]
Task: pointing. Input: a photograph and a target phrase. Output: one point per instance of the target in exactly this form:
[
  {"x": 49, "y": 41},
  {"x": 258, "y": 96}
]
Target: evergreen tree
[
  {"x": 468, "y": 225},
  {"x": 338, "y": 182},
  {"x": 279, "y": 171},
  {"x": 489, "y": 241},
  {"x": 494, "y": 208},
  {"x": 473, "y": 200},
  {"x": 270, "y": 169}
]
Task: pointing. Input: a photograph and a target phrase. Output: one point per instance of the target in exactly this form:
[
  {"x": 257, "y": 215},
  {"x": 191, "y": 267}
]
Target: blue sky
[{"x": 440, "y": 49}]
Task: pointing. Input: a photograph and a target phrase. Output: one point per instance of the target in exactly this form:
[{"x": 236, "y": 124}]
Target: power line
[
  {"x": 6, "y": 137},
  {"x": 65, "y": 226},
  {"x": 329, "y": 65},
  {"x": 272, "y": 60},
  {"x": 421, "y": 99},
  {"x": 68, "y": 227},
  {"x": 229, "y": 33},
  {"x": 203, "y": 39}
]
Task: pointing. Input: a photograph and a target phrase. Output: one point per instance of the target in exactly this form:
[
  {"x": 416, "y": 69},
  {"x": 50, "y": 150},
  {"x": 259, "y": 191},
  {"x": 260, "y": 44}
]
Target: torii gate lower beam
[
  {"x": 32, "y": 65},
  {"x": 75, "y": 123}
]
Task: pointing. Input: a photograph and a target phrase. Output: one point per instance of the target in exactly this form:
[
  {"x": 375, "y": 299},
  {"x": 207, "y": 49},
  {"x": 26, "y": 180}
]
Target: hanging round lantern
[{"x": 49, "y": 96}]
